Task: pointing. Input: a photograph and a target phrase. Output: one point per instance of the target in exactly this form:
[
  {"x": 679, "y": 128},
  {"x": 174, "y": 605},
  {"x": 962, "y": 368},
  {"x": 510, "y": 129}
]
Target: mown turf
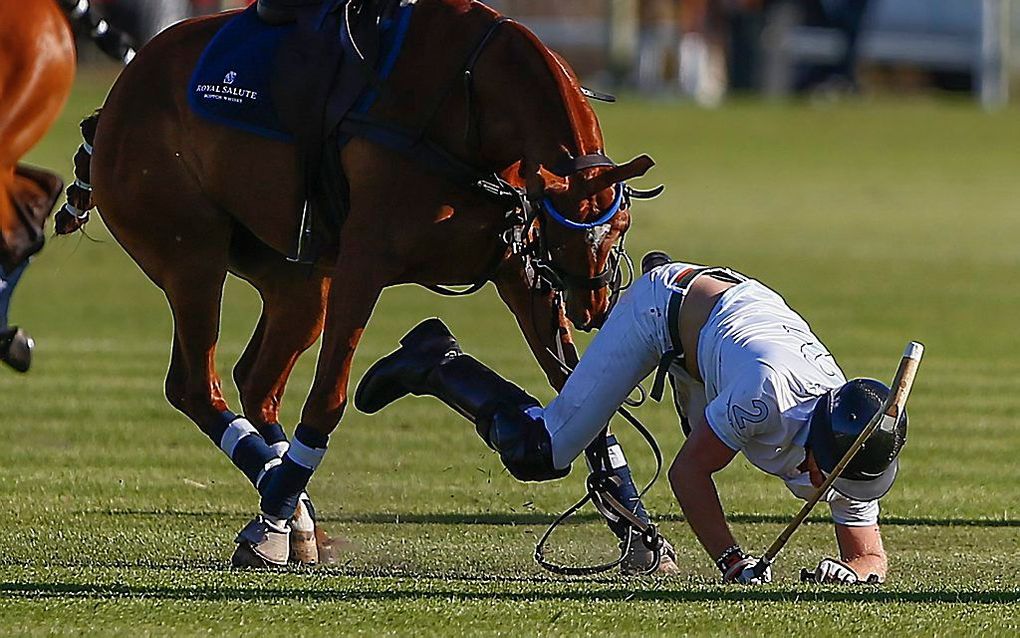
[{"x": 881, "y": 222}]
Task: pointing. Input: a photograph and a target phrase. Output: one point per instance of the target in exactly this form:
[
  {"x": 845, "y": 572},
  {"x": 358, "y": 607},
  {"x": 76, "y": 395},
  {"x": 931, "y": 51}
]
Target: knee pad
[{"x": 519, "y": 436}]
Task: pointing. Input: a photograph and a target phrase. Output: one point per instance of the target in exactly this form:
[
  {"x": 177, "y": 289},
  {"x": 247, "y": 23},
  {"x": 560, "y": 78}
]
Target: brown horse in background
[
  {"x": 37, "y": 66},
  {"x": 191, "y": 201}
]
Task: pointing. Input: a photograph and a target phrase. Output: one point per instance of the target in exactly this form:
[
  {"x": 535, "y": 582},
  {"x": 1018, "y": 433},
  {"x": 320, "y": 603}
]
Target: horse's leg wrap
[
  {"x": 245, "y": 447},
  {"x": 609, "y": 462},
  {"x": 276, "y": 438},
  {"x": 285, "y": 484},
  {"x": 259, "y": 456},
  {"x": 8, "y": 281},
  {"x": 15, "y": 344}
]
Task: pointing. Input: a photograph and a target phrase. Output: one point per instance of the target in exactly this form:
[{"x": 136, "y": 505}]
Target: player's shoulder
[{"x": 669, "y": 271}]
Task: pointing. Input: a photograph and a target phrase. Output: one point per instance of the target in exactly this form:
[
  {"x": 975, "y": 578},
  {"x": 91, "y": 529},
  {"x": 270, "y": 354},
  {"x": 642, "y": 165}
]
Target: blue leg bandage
[
  {"x": 276, "y": 438},
  {"x": 284, "y": 484},
  {"x": 245, "y": 447},
  {"x": 623, "y": 489},
  {"x": 8, "y": 280}
]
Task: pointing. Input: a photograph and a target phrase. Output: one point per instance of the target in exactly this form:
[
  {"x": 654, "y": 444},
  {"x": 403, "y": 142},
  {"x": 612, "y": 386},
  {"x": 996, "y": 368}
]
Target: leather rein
[
  {"x": 525, "y": 216},
  {"x": 524, "y": 235}
]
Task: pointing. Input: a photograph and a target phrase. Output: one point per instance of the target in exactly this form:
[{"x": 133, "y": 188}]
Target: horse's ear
[
  {"x": 634, "y": 168},
  {"x": 542, "y": 183}
]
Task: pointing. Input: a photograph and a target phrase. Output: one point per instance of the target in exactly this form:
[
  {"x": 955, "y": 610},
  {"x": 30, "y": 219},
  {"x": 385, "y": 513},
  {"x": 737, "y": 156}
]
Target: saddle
[
  {"x": 294, "y": 70},
  {"x": 320, "y": 78}
]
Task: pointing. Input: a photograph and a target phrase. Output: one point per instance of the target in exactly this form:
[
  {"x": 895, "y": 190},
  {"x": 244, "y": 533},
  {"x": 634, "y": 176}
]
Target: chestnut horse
[
  {"x": 37, "y": 65},
  {"x": 36, "y": 71},
  {"x": 190, "y": 201}
]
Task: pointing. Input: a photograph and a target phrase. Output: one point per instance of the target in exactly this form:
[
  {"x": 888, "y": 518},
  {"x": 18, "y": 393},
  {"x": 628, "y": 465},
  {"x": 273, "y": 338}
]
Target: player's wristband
[{"x": 730, "y": 557}]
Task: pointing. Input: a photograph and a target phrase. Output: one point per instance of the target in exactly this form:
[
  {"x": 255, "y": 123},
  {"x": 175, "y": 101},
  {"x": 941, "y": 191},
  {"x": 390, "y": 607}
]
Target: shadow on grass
[
  {"x": 23, "y": 590},
  {"x": 539, "y": 518}
]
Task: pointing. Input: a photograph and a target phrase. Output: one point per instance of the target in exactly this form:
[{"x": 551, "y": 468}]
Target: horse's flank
[{"x": 37, "y": 64}]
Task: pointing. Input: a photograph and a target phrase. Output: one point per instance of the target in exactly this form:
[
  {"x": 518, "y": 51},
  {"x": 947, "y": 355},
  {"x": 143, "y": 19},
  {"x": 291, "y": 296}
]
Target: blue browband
[{"x": 558, "y": 217}]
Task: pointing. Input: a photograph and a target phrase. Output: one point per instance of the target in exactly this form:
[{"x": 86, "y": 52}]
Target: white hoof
[{"x": 262, "y": 544}]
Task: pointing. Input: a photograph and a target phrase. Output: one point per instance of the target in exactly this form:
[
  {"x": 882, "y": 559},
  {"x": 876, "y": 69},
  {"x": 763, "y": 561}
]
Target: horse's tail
[
  {"x": 113, "y": 42},
  {"x": 75, "y": 212}
]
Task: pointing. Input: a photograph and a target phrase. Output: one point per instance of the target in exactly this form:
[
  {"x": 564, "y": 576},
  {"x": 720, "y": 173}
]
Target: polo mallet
[{"x": 885, "y": 418}]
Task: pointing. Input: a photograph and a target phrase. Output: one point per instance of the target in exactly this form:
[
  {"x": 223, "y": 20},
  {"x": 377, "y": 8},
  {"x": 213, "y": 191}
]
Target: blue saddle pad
[{"x": 232, "y": 84}]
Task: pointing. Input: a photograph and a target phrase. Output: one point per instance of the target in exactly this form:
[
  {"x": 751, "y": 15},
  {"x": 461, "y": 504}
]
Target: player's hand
[
  {"x": 831, "y": 570},
  {"x": 742, "y": 572}
]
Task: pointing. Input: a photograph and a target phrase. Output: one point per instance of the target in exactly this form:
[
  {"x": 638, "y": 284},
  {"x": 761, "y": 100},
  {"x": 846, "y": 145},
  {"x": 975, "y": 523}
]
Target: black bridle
[{"x": 526, "y": 218}]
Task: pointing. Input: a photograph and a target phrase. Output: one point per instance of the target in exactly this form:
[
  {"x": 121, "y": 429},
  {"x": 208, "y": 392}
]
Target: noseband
[
  {"x": 544, "y": 211},
  {"x": 538, "y": 214}
]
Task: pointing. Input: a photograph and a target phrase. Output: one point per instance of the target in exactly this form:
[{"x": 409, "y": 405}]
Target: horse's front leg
[
  {"x": 357, "y": 284},
  {"x": 547, "y": 331},
  {"x": 15, "y": 344},
  {"x": 541, "y": 320}
]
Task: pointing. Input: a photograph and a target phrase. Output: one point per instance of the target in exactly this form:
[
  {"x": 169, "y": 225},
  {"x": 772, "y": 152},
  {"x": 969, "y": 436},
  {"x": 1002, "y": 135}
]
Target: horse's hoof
[
  {"x": 302, "y": 533},
  {"x": 303, "y": 550},
  {"x": 262, "y": 544},
  {"x": 16, "y": 349},
  {"x": 328, "y": 548},
  {"x": 639, "y": 560}
]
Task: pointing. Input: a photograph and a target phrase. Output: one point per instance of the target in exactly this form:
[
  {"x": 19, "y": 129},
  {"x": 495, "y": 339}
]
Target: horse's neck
[
  {"x": 551, "y": 116},
  {"x": 526, "y": 103}
]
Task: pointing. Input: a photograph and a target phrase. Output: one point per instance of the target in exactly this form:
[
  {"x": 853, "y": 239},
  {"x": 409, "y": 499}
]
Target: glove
[
  {"x": 738, "y": 567},
  {"x": 831, "y": 570},
  {"x": 742, "y": 573}
]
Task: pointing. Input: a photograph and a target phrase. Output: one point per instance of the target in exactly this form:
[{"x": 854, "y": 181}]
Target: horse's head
[{"x": 582, "y": 214}]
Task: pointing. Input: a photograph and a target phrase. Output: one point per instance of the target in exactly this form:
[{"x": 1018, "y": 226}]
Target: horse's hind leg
[
  {"x": 178, "y": 221},
  {"x": 293, "y": 306},
  {"x": 358, "y": 279}
]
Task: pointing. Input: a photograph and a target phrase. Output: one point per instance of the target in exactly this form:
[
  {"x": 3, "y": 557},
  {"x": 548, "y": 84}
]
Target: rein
[
  {"x": 523, "y": 235},
  {"x": 597, "y": 491},
  {"x": 597, "y": 488},
  {"x": 523, "y": 231}
]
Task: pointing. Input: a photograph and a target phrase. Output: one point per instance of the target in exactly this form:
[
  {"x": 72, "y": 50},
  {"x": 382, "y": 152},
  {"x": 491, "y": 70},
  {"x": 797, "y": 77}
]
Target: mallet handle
[{"x": 892, "y": 408}]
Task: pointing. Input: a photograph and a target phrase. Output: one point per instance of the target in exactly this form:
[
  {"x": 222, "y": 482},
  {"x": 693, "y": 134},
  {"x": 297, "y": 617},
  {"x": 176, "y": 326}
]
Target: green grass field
[{"x": 881, "y": 222}]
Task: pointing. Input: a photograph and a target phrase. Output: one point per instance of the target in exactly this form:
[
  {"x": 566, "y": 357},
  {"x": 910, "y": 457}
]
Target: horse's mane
[{"x": 579, "y": 113}]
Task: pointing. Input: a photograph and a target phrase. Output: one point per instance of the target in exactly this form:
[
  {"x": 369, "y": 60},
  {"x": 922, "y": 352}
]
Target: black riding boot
[{"x": 430, "y": 362}]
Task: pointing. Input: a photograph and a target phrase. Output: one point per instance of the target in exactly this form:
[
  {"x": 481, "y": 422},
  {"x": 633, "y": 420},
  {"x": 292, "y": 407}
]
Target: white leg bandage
[
  {"x": 306, "y": 457},
  {"x": 237, "y": 430}
]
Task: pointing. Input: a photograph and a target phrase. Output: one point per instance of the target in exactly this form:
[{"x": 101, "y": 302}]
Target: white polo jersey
[
  {"x": 763, "y": 372},
  {"x": 763, "y": 369}
]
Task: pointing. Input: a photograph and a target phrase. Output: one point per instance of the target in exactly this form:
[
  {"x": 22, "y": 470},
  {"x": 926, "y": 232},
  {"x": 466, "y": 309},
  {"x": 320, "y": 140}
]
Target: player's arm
[
  {"x": 861, "y": 548},
  {"x": 862, "y": 557},
  {"x": 702, "y": 455}
]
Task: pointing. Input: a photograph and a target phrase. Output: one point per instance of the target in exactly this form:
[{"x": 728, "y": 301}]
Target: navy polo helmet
[{"x": 838, "y": 419}]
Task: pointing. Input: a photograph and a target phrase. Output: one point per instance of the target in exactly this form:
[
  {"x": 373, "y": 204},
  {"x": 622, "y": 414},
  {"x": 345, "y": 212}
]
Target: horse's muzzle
[{"x": 589, "y": 315}]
